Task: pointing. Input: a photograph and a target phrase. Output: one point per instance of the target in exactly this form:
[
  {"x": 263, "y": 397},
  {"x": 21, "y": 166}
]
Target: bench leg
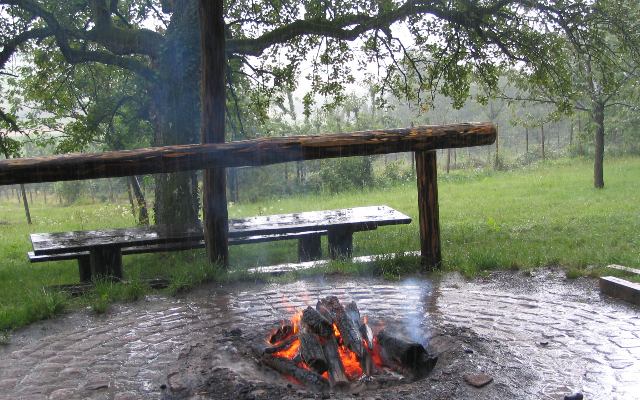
[
  {"x": 106, "y": 262},
  {"x": 340, "y": 243},
  {"x": 426, "y": 171},
  {"x": 84, "y": 266},
  {"x": 309, "y": 248}
]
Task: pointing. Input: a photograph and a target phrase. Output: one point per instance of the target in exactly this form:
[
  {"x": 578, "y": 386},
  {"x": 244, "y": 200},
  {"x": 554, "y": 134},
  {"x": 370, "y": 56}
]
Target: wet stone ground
[{"x": 538, "y": 337}]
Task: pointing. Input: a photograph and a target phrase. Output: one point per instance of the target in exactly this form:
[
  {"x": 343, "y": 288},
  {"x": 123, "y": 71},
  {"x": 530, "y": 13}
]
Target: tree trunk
[
  {"x": 110, "y": 186},
  {"x": 526, "y": 138},
  {"x": 143, "y": 214},
  {"x": 212, "y": 97},
  {"x": 26, "y": 204},
  {"x": 496, "y": 163},
  {"x": 571, "y": 134},
  {"x": 542, "y": 140},
  {"x": 131, "y": 203},
  {"x": 175, "y": 110},
  {"x": 598, "y": 167},
  {"x": 232, "y": 174},
  {"x": 448, "y": 160}
]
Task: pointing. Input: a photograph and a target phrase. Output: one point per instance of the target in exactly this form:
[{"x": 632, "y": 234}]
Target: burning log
[
  {"x": 367, "y": 335},
  {"x": 332, "y": 346},
  {"x": 353, "y": 315},
  {"x": 289, "y": 368},
  {"x": 349, "y": 331},
  {"x": 262, "y": 348},
  {"x": 281, "y": 333},
  {"x": 312, "y": 353},
  {"x": 406, "y": 357},
  {"x": 337, "y": 377},
  {"x": 348, "y": 322},
  {"x": 316, "y": 323},
  {"x": 282, "y": 345}
]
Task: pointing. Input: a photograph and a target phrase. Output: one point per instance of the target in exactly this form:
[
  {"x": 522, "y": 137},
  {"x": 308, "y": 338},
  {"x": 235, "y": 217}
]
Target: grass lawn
[{"x": 547, "y": 214}]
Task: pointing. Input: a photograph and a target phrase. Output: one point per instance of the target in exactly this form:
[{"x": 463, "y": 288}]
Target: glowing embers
[{"x": 331, "y": 345}]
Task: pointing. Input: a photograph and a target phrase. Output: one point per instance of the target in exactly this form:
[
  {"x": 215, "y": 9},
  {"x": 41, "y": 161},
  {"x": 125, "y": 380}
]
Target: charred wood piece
[
  {"x": 367, "y": 335},
  {"x": 316, "y": 323},
  {"x": 312, "y": 353},
  {"x": 282, "y": 333},
  {"x": 263, "y": 348},
  {"x": 337, "y": 377},
  {"x": 289, "y": 368},
  {"x": 406, "y": 357},
  {"x": 353, "y": 316},
  {"x": 349, "y": 329}
]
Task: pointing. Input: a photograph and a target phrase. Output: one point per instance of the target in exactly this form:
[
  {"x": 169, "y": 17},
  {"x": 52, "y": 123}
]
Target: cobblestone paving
[{"x": 563, "y": 331}]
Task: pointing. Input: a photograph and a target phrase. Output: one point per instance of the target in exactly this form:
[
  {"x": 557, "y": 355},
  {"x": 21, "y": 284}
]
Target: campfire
[{"x": 332, "y": 346}]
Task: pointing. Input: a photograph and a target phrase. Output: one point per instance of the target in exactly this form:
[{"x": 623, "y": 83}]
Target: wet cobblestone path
[{"x": 563, "y": 332}]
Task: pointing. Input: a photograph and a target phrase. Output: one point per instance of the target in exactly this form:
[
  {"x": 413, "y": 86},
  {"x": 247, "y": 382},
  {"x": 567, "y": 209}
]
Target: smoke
[{"x": 417, "y": 321}]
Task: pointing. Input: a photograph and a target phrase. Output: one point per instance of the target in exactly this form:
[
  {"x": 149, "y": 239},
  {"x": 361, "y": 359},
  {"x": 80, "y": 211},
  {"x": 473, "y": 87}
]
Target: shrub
[
  {"x": 395, "y": 172},
  {"x": 345, "y": 173},
  {"x": 69, "y": 191}
]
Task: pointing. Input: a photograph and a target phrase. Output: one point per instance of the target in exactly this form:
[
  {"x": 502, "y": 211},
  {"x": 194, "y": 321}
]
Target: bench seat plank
[
  {"x": 354, "y": 219},
  {"x": 177, "y": 246}
]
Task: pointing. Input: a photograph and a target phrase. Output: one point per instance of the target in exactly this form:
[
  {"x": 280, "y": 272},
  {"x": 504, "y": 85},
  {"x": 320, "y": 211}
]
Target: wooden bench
[{"x": 99, "y": 252}]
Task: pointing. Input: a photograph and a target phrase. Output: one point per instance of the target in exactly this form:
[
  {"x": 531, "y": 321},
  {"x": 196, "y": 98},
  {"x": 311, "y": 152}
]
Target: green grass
[{"x": 546, "y": 214}]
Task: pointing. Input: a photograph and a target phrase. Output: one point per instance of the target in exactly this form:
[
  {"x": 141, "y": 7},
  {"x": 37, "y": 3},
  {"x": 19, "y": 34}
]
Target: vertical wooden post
[
  {"x": 212, "y": 98},
  {"x": 427, "y": 177}
]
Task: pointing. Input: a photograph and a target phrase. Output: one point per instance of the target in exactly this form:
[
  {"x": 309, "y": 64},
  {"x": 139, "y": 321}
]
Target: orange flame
[
  {"x": 295, "y": 321},
  {"x": 375, "y": 354},
  {"x": 289, "y": 352},
  {"x": 348, "y": 358},
  {"x": 350, "y": 363},
  {"x": 336, "y": 333}
]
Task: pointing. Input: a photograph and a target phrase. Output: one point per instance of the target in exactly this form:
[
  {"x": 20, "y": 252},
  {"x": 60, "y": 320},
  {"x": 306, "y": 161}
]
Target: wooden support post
[
  {"x": 309, "y": 248},
  {"x": 427, "y": 177},
  {"x": 212, "y": 97},
  {"x": 106, "y": 262},
  {"x": 340, "y": 243},
  {"x": 84, "y": 267}
]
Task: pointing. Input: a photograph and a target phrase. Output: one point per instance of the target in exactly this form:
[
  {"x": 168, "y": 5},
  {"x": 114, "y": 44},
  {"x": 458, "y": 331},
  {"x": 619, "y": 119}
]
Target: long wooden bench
[
  {"x": 99, "y": 252},
  {"x": 305, "y": 253}
]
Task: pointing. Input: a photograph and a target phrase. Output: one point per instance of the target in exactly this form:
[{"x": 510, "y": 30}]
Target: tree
[
  {"x": 157, "y": 41},
  {"x": 603, "y": 60}
]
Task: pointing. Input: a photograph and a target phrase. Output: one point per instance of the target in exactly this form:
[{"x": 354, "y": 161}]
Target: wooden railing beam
[{"x": 254, "y": 152}]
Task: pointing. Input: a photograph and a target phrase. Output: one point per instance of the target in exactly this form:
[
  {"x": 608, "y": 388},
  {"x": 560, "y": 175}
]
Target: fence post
[{"x": 427, "y": 177}]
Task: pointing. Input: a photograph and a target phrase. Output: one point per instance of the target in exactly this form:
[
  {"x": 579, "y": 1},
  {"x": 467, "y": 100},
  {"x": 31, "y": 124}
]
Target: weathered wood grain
[
  {"x": 254, "y": 152},
  {"x": 429, "y": 221},
  {"x": 359, "y": 218}
]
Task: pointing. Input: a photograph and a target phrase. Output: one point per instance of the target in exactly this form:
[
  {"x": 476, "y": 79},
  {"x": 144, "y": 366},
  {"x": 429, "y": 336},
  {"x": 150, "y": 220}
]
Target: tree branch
[
  {"x": 11, "y": 45},
  {"x": 117, "y": 40}
]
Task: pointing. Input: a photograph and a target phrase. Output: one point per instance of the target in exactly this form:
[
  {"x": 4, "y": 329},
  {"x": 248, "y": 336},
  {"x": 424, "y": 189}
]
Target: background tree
[{"x": 603, "y": 60}]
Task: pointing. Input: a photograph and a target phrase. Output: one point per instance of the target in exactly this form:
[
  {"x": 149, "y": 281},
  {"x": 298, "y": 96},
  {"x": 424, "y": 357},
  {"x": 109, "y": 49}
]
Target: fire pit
[{"x": 333, "y": 347}]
